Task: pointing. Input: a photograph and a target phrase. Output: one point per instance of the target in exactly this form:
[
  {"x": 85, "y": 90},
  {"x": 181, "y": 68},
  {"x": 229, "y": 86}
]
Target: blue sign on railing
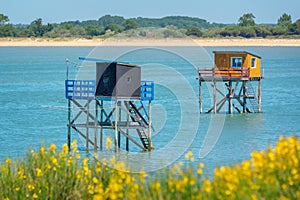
[
  {"x": 85, "y": 89},
  {"x": 80, "y": 89},
  {"x": 147, "y": 90}
]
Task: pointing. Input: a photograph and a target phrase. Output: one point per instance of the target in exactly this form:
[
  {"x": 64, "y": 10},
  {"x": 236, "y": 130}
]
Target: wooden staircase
[
  {"x": 252, "y": 98},
  {"x": 137, "y": 117}
]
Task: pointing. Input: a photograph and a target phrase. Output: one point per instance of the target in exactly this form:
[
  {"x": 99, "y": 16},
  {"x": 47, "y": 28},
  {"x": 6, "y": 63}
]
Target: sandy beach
[{"x": 146, "y": 42}]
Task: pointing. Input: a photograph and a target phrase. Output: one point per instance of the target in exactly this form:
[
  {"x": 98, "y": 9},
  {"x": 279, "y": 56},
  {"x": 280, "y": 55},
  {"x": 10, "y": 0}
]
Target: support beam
[
  {"x": 101, "y": 129},
  {"x": 120, "y": 119},
  {"x": 230, "y": 97},
  {"x": 200, "y": 95},
  {"x": 116, "y": 125},
  {"x": 215, "y": 98},
  {"x": 96, "y": 124},
  {"x": 87, "y": 128},
  {"x": 127, "y": 124},
  {"x": 244, "y": 88},
  {"x": 150, "y": 125},
  {"x": 69, "y": 124},
  {"x": 259, "y": 96}
]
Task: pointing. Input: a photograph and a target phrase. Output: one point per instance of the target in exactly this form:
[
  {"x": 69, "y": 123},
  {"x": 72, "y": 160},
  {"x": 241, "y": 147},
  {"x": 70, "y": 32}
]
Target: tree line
[{"x": 168, "y": 27}]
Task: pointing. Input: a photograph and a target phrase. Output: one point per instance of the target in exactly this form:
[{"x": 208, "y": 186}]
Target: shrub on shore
[{"x": 51, "y": 174}]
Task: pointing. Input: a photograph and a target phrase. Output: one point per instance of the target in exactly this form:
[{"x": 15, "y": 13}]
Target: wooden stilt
[
  {"x": 150, "y": 125},
  {"x": 230, "y": 98},
  {"x": 116, "y": 125},
  {"x": 244, "y": 89},
  {"x": 96, "y": 124},
  {"x": 69, "y": 124},
  {"x": 215, "y": 97},
  {"x": 200, "y": 96},
  {"x": 120, "y": 119},
  {"x": 127, "y": 124},
  {"x": 87, "y": 128},
  {"x": 259, "y": 96},
  {"x": 101, "y": 129}
]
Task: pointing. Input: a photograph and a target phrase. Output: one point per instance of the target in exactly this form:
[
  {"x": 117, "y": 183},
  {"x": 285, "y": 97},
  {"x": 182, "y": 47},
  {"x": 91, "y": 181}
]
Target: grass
[{"x": 50, "y": 174}]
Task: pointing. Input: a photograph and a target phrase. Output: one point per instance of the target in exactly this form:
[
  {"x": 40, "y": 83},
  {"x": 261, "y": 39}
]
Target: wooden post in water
[
  {"x": 116, "y": 125},
  {"x": 95, "y": 125},
  {"x": 101, "y": 129},
  {"x": 200, "y": 95},
  {"x": 150, "y": 125},
  {"x": 244, "y": 88},
  {"x": 69, "y": 123},
  {"x": 120, "y": 119},
  {"x": 215, "y": 97},
  {"x": 87, "y": 128},
  {"x": 230, "y": 98},
  {"x": 259, "y": 96},
  {"x": 127, "y": 124}
]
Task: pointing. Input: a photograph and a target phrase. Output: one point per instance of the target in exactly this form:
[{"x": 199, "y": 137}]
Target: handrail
[
  {"x": 86, "y": 89},
  {"x": 214, "y": 73}
]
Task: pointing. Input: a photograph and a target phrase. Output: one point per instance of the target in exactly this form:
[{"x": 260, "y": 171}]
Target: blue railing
[
  {"x": 80, "y": 89},
  {"x": 86, "y": 89},
  {"x": 147, "y": 90}
]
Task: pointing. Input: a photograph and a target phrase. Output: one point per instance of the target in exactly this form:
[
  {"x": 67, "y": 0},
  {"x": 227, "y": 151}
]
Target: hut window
[
  {"x": 236, "y": 62},
  {"x": 253, "y": 62}
]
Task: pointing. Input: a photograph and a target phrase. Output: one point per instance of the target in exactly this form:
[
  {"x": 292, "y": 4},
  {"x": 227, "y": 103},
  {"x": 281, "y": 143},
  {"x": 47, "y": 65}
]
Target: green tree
[
  {"x": 37, "y": 27},
  {"x": 130, "y": 24},
  {"x": 285, "y": 20},
  {"x": 231, "y": 31},
  {"x": 93, "y": 30},
  {"x": 114, "y": 28},
  {"x": 108, "y": 19},
  {"x": 263, "y": 30},
  {"x": 6, "y": 30},
  {"x": 247, "y": 20},
  {"x": 194, "y": 31},
  {"x": 295, "y": 27},
  {"x": 3, "y": 19}
]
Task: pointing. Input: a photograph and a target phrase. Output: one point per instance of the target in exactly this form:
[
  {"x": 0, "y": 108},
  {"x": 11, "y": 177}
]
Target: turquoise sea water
[{"x": 33, "y": 106}]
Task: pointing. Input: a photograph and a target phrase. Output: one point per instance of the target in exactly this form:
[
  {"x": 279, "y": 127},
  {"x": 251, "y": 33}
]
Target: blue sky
[{"x": 222, "y": 11}]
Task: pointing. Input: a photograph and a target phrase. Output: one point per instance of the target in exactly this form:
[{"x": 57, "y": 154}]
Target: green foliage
[
  {"x": 295, "y": 28},
  {"x": 108, "y": 19},
  {"x": 38, "y": 28},
  {"x": 6, "y": 30},
  {"x": 115, "y": 28},
  {"x": 47, "y": 173},
  {"x": 130, "y": 24},
  {"x": 194, "y": 31},
  {"x": 22, "y": 32},
  {"x": 247, "y": 20},
  {"x": 285, "y": 20},
  {"x": 171, "y": 26},
  {"x": 3, "y": 19},
  {"x": 94, "y": 30},
  {"x": 263, "y": 31}
]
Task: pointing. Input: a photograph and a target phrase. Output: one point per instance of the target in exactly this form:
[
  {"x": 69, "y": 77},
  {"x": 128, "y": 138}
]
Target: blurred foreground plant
[{"x": 49, "y": 174}]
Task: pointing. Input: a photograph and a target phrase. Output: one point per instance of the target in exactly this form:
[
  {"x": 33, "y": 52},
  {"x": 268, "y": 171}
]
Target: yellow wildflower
[
  {"x": 90, "y": 189},
  {"x": 53, "y": 148},
  {"x": 30, "y": 187},
  {"x": 8, "y": 161},
  {"x": 108, "y": 143},
  {"x": 35, "y": 196},
  {"x": 38, "y": 172}
]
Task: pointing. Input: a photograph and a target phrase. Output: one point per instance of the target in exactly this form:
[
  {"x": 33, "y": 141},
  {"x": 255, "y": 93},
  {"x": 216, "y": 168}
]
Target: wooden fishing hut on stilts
[
  {"x": 117, "y": 101},
  {"x": 237, "y": 70}
]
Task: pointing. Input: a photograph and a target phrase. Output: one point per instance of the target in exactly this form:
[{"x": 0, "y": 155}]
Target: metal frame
[
  {"x": 127, "y": 117},
  {"x": 239, "y": 88}
]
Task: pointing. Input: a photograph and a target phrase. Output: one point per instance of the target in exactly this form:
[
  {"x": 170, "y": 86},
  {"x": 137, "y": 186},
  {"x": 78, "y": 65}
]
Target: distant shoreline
[{"x": 78, "y": 42}]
